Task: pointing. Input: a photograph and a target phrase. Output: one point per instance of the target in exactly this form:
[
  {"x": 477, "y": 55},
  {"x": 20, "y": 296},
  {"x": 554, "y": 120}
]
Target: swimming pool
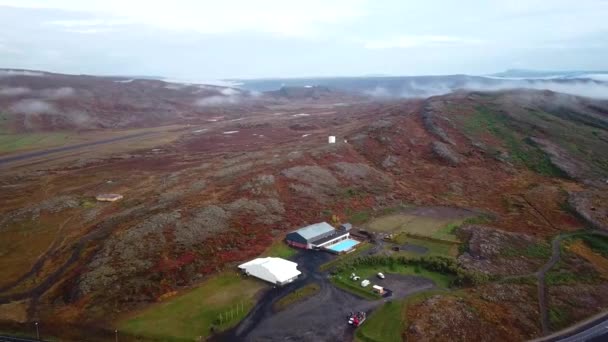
[{"x": 343, "y": 245}]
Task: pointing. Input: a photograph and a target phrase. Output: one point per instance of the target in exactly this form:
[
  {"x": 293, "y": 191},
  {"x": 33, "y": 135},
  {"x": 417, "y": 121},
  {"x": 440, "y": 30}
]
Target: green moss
[
  {"x": 520, "y": 150},
  {"x": 537, "y": 251},
  {"x": 558, "y": 318},
  {"x": 596, "y": 242},
  {"x": 359, "y": 217}
]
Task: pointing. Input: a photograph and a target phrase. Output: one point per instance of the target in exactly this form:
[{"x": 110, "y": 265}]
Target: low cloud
[
  {"x": 14, "y": 91},
  {"x": 58, "y": 93},
  {"x": 230, "y": 91},
  {"x": 32, "y": 106},
  {"x": 9, "y": 73},
  {"x": 216, "y": 100},
  {"x": 413, "y": 89}
]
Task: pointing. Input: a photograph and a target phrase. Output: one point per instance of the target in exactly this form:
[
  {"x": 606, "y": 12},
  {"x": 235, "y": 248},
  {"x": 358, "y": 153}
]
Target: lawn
[
  {"x": 221, "y": 301},
  {"x": 342, "y": 278},
  {"x": 280, "y": 249},
  {"x": 383, "y": 325},
  {"x": 16, "y": 142},
  {"x": 345, "y": 283},
  {"x": 296, "y": 296},
  {"x": 416, "y": 225},
  {"x": 433, "y": 246}
]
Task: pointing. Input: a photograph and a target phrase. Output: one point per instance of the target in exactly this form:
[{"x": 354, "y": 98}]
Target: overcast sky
[{"x": 205, "y": 40}]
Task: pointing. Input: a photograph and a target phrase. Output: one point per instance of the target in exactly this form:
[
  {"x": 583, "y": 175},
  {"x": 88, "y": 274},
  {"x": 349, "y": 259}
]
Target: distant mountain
[
  {"x": 525, "y": 73},
  {"x": 590, "y": 85}
]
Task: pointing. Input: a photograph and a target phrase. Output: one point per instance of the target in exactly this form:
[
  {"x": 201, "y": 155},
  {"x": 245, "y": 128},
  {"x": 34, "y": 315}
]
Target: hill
[{"x": 233, "y": 177}]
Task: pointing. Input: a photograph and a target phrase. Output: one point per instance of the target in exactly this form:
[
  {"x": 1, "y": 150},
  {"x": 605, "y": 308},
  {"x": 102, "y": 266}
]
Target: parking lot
[{"x": 318, "y": 318}]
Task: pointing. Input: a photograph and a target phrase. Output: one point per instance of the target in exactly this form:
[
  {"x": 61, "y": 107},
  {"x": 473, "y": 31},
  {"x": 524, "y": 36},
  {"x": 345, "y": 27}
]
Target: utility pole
[{"x": 37, "y": 331}]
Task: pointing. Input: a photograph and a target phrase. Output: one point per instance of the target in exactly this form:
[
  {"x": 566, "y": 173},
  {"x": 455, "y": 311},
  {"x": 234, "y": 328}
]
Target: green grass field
[
  {"x": 16, "y": 142},
  {"x": 383, "y": 325},
  {"x": 296, "y": 296},
  {"x": 416, "y": 225},
  {"x": 188, "y": 316},
  {"x": 342, "y": 281},
  {"x": 369, "y": 272},
  {"x": 389, "y": 321},
  {"x": 434, "y": 246},
  {"x": 280, "y": 249}
]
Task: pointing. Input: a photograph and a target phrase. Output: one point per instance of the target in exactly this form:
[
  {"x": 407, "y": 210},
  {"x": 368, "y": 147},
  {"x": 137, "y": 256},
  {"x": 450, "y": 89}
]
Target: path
[
  {"x": 543, "y": 301},
  {"x": 29, "y": 155}
]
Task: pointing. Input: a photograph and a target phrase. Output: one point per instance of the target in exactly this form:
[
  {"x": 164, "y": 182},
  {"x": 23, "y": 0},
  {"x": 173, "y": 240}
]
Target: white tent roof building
[{"x": 273, "y": 270}]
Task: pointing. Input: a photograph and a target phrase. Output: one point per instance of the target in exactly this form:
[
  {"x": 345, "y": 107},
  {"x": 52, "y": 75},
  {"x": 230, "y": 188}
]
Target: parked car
[
  {"x": 365, "y": 283},
  {"x": 381, "y": 275}
]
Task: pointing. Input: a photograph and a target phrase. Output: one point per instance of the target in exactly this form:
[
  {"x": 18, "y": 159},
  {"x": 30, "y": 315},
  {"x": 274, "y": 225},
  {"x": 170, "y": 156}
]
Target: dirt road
[{"x": 543, "y": 301}]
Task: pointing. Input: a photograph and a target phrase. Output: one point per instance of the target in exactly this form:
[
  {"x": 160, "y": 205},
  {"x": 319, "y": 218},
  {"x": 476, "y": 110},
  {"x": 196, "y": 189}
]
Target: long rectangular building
[
  {"x": 317, "y": 236},
  {"x": 273, "y": 270}
]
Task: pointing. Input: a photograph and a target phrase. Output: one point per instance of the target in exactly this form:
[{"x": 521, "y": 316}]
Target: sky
[{"x": 205, "y": 40}]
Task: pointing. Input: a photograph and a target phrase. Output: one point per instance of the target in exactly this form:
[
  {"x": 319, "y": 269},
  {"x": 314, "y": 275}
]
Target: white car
[{"x": 380, "y": 275}]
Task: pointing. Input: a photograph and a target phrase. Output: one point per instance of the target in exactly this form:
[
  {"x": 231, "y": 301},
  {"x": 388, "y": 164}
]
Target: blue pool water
[{"x": 343, "y": 245}]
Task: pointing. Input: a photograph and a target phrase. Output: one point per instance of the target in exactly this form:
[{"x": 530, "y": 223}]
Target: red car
[{"x": 356, "y": 318}]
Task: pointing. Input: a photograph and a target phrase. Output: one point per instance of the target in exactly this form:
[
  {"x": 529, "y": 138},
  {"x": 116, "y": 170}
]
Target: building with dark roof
[{"x": 317, "y": 236}]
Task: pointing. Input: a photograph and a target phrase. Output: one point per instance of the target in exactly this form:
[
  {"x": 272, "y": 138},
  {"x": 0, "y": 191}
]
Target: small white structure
[
  {"x": 378, "y": 289},
  {"x": 332, "y": 139},
  {"x": 108, "y": 197},
  {"x": 365, "y": 283},
  {"x": 273, "y": 270}
]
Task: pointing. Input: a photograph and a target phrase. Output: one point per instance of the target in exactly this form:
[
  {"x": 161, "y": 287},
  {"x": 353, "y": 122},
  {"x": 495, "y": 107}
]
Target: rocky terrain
[{"x": 248, "y": 167}]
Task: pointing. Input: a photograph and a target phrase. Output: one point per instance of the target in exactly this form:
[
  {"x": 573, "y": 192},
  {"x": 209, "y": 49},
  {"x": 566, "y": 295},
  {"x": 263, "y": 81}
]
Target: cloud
[
  {"x": 287, "y": 18},
  {"x": 216, "y": 100},
  {"x": 412, "y": 41},
  {"x": 14, "y": 91},
  {"x": 31, "y": 106},
  {"x": 58, "y": 93},
  {"x": 230, "y": 91},
  {"x": 9, "y": 73},
  {"x": 412, "y": 89}
]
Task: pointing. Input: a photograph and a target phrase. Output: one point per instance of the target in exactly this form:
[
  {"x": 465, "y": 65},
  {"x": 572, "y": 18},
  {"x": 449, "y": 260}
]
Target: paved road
[
  {"x": 321, "y": 317},
  {"x": 29, "y": 155}
]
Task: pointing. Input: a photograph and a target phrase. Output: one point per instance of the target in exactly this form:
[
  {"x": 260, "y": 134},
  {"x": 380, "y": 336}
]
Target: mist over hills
[{"x": 579, "y": 83}]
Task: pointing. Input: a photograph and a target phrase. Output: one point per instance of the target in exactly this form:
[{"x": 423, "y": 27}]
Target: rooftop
[
  {"x": 315, "y": 230},
  {"x": 274, "y": 270}
]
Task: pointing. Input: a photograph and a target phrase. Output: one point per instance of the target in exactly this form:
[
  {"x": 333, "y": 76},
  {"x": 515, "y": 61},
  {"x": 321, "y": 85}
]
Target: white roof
[
  {"x": 315, "y": 230},
  {"x": 274, "y": 270}
]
